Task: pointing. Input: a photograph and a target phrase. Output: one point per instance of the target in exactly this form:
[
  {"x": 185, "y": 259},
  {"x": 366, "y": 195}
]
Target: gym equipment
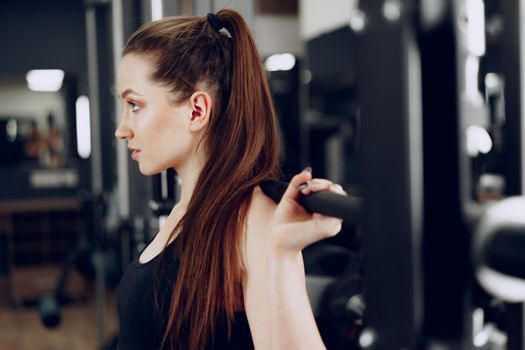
[
  {"x": 498, "y": 248},
  {"x": 342, "y": 305},
  {"x": 161, "y": 208},
  {"x": 84, "y": 260},
  {"x": 90, "y": 257},
  {"x": 348, "y": 208},
  {"x": 419, "y": 99}
]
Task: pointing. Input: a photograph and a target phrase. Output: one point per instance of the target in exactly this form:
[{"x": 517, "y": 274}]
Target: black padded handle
[{"x": 348, "y": 208}]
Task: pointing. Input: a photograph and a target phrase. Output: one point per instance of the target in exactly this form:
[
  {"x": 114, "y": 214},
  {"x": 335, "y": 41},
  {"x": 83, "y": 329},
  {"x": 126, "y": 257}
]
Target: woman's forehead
[
  {"x": 133, "y": 65},
  {"x": 134, "y": 72}
]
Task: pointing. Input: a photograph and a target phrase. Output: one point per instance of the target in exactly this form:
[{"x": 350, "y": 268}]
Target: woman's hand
[{"x": 291, "y": 226}]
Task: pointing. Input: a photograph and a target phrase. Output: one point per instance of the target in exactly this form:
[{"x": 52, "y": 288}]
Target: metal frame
[
  {"x": 514, "y": 144},
  {"x": 96, "y": 162},
  {"x": 514, "y": 73},
  {"x": 389, "y": 88},
  {"x": 447, "y": 114}
]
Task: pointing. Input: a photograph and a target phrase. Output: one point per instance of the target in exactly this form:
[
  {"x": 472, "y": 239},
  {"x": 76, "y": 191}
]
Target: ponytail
[{"x": 249, "y": 100}]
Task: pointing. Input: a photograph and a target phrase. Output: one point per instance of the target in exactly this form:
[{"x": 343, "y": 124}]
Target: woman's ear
[{"x": 200, "y": 104}]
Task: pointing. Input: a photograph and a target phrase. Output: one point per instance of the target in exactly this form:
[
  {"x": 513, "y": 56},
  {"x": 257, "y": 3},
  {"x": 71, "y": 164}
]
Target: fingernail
[
  {"x": 308, "y": 168},
  {"x": 303, "y": 186}
]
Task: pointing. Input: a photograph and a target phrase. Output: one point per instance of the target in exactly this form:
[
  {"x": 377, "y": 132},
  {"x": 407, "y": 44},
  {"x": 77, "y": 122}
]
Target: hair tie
[{"x": 217, "y": 25}]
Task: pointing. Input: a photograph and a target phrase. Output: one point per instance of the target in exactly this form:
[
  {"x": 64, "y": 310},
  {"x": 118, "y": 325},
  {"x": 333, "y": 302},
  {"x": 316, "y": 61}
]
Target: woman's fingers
[
  {"x": 314, "y": 230},
  {"x": 338, "y": 189},
  {"x": 293, "y": 189},
  {"x": 296, "y": 228},
  {"x": 315, "y": 185},
  {"x": 321, "y": 185},
  {"x": 324, "y": 225},
  {"x": 327, "y": 225}
]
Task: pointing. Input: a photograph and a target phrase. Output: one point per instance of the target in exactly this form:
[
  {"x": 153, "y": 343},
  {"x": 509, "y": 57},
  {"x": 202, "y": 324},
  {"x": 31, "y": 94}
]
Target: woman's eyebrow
[{"x": 127, "y": 92}]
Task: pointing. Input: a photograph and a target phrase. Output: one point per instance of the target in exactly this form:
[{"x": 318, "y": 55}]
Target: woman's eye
[{"x": 134, "y": 106}]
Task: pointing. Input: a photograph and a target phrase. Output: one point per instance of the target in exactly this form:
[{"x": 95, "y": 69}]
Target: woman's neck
[{"x": 189, "y": 174}]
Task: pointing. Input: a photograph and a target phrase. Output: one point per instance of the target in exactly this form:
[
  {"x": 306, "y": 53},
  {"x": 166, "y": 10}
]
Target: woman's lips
[{"x": 135, "y": 153}]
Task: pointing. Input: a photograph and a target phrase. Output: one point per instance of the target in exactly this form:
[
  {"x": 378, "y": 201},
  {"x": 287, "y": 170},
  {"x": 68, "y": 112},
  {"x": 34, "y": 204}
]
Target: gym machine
[{"x": 428, "y": 238}]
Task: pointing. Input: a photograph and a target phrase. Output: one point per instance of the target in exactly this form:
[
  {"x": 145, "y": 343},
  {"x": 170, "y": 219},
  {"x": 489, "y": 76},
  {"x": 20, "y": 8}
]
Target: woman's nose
[{"x": 123, "y": 132}]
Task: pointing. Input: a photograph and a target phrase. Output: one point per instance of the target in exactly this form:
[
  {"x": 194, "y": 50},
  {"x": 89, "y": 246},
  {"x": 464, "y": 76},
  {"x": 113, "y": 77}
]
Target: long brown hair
[{"x": 243, "y": 145}]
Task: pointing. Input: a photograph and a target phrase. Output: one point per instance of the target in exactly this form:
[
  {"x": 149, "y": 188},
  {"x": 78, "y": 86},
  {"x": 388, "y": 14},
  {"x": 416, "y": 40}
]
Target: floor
[{"x": 20, "y": 327}]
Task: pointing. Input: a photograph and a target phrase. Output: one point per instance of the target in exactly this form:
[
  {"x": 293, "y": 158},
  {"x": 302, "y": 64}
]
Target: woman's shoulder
[
  {"x": 259, "y": 214},
  {"x": 261, "y": 208}
]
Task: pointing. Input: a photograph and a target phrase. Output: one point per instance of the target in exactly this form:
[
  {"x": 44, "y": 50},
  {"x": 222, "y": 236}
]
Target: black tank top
[{"x": 140, "y": 326}]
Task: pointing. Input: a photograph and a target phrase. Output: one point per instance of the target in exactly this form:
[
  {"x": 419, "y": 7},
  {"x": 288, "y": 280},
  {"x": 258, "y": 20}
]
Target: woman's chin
[{"x": 148, "y": 171}]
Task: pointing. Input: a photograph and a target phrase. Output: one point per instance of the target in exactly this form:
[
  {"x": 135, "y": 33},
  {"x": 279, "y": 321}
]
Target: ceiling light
[
  {"x": 279, "y": 62},
  {"x": 45, "y": 79}
]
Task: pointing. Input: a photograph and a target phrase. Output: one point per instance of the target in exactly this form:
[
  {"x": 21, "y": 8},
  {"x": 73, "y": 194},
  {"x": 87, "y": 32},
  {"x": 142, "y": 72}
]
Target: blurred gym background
[{"x": 350, "y": 80}]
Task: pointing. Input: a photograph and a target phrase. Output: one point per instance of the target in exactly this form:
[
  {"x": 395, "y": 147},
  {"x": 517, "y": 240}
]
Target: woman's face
[{"x": 155, "y": 128}]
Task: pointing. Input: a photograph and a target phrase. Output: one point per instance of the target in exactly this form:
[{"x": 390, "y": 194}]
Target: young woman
[{"x": 225, "y": 271}]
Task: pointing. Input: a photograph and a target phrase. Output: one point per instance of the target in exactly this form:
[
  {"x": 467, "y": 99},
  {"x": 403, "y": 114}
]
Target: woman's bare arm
[
  {"x": 277, "y": 304},
  {"x": 276, "y": 301}
]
